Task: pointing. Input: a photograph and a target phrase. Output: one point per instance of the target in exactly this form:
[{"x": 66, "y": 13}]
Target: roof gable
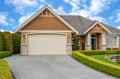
[
  {"x": 40, "y": 13},
  {"x": 82, "y": 24},
  {"x": 95, "y": 25}
]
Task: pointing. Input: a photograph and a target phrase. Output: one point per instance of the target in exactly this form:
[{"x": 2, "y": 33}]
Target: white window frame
[{"x": 109, "y": 37}]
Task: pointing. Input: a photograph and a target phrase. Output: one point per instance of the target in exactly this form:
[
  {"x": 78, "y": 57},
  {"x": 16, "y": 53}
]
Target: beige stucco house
[{"x": 46, "y": 32}]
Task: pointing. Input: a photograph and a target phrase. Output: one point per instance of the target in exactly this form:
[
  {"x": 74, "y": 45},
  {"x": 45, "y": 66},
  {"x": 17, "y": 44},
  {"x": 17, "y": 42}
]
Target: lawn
[
  {"x": 5, "y": 72},
  {"x": 102, "y": 58}
]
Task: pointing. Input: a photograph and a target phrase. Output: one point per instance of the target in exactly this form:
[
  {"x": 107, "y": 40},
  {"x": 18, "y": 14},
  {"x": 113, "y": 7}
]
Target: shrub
[
  {"x": 93, "y": 52},
  {"x": 5, "y": 54},
  {"x": 111, "y": 51},
  {"x": 97, "y": 64},
  {"x": 1, "y": 42},
  {"x": 16, "y": 43},
  {"x": 118, "y": 52},
  {"x": 5, "y": 72},
  {"x": 75, "y": 40},
  {"x": 99, "y": 52},
  {"x": 7, "y": 37}
]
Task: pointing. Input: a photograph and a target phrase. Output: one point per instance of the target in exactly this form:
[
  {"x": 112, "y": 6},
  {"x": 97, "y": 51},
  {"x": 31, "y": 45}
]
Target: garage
[{"x": 46, "y": 44}]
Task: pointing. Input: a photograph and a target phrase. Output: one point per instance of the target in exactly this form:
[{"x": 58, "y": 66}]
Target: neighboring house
[{"x": 49, "y": 33}]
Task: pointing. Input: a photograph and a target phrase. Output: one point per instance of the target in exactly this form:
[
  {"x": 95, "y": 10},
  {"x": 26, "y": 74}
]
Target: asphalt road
[{"x": 52, "y": 67}]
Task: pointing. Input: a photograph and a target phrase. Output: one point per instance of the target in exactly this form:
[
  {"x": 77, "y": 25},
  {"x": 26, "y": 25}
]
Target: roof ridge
[
  {"x": 79, "y": 16},
  {"x": 69, "y": 15},
  {"x": 109, "y": 25}
]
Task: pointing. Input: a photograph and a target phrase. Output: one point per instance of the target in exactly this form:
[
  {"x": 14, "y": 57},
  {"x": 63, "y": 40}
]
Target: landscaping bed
[
  {"x": 5, "y": 72},
  {"x": 97, "y": 64}
]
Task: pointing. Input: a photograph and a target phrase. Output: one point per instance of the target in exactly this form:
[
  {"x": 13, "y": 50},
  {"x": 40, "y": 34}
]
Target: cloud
[
  {"x": 92, "y": 10},
  {"x": 59, "y": 10},
  {"x": 21, "y": 4},
  {"x": 75, "y": 5},
  {"x": 2, "y": 30},
  {"x": 24, "y": 18},
  {"x": 6, "y": 20},
  {"x": 118, "y": 17},
  {"x": 118, "y": 27},
  {"x": 3, "y": 19},
  {"x": 96, "y": 7},
  {"x": 98, "y": 18},
  {"x": 111, "y": 17},
  {"x": 42, "y": 1}
]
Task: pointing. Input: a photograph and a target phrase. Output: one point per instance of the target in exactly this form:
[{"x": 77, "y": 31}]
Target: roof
[
  {"x": 81, "y": 24},
  {"x": 76, "y": 23}
]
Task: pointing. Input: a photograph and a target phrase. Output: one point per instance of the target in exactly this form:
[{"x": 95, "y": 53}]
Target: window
[{"x": 111, "y": 40}]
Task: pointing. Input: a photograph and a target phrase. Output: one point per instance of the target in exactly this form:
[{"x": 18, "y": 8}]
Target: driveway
[{"x": 51, "y": 67}]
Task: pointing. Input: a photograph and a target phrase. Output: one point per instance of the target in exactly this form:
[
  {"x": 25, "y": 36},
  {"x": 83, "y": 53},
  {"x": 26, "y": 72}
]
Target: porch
[{"x": 93, "y": 41}]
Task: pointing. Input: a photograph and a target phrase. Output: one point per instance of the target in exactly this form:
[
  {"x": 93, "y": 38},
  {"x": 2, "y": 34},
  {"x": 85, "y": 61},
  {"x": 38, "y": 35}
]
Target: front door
[{"x": 93, "y": 42}]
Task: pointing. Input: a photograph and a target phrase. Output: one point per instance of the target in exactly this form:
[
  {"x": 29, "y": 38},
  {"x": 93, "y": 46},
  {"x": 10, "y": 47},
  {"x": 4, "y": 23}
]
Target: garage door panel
[{"x": 46, "y": 44}]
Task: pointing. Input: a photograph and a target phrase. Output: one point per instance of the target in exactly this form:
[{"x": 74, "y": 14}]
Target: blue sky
[{"x": 15, "y": 12}]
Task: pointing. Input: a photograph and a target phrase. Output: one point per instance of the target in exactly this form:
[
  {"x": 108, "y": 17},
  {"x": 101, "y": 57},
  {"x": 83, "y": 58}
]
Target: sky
[{"x": 15, "y": 12}]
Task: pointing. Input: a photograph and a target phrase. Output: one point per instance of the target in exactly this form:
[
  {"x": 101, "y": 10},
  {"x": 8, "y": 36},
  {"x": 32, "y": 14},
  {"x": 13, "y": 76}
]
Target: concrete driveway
[{"x": 52, "y": 67}]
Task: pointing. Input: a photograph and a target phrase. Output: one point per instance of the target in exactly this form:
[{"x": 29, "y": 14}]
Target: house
[{"x": 46, "y": 32}]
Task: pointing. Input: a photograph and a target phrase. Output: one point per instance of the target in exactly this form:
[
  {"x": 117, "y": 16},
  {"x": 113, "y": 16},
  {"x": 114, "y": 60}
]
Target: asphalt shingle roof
[{"x": 81, "y": 24}]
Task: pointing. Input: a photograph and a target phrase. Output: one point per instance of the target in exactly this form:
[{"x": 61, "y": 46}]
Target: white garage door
[{"x": 46, "y": 44}]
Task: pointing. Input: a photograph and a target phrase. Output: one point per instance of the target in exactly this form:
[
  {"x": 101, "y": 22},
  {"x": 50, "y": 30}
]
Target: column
[
  {"x": 103, "y": 41},
  {"x": 88, "y": 41}
]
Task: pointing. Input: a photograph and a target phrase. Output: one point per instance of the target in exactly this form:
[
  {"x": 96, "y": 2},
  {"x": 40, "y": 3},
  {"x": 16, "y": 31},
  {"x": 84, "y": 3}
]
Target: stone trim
[
  {"x": 24, "y": 50},
  {"x": 88, "y": 47},
  {"x": 69, "y": 48}
]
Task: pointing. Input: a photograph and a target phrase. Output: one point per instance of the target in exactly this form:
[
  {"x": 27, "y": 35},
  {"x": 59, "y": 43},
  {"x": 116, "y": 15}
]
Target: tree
[
  {"x": 16, "y": 43},
  {"x": 7, "y": 41},
  {"x": 75, "y": 41},
  {"x": 1, "y": 42}
]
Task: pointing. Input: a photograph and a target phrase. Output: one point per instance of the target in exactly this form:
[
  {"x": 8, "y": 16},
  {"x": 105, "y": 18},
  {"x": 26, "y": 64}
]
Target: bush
[
  {"x": 118, "y": 52},
  {"x": 5, "y": 54},
  {"x": 75, "y": 41},
  {"x": 111, "y": 51},
  {"x": 5, "y": 72},
  {"x": 97, "y": 64},
  {"x": 93, "y": 52},
  {"x": 99, "y": 52},
  {"x": 16, "y": 43},
  {"x": 1, "y": 42},
  {"x": 7, "y": 37}
]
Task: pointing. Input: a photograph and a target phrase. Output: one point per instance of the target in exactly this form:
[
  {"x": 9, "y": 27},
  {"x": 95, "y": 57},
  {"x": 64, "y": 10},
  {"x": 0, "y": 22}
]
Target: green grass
[
  {"x": 5, "y": 72},
  {"x": 102, "y": 58}
]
